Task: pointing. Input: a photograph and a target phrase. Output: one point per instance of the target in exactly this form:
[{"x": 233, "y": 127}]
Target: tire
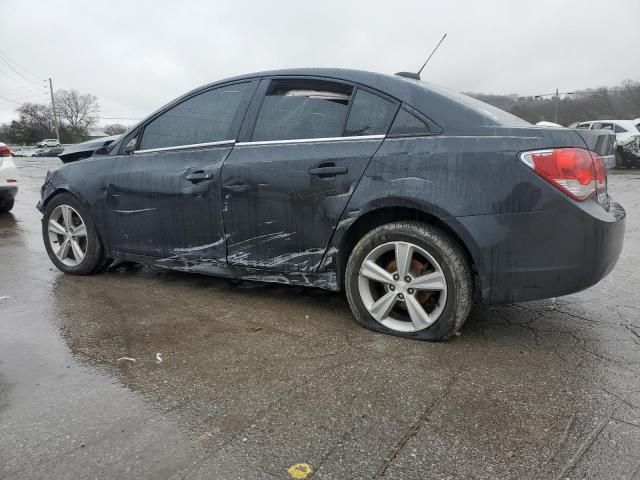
[
  {"x": 626, "y": 162},
  {"x": 94, "y": 258},
  {"x": 433, "y": 254},
  {"x": 619, "y": 159},
  {"x": 6, "y": 205}
]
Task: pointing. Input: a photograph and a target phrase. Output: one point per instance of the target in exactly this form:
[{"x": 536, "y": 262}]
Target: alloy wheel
[
  {"x": 402, "y": 286},
  {"x": 67, "y": 235}
]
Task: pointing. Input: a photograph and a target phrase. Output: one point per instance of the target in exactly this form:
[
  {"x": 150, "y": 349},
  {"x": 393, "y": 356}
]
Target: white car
[
  {"x": 627, "y": 138},
  {"x": 8, "y": 179},
  {"x": 48, "y": 142}
]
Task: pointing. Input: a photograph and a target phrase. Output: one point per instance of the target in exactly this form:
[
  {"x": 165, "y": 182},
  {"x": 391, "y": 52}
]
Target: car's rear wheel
[
  {"x": 70, "y": 236},
  {"x": 6, "y": 204},
  {"x": 409, "y": 279}
]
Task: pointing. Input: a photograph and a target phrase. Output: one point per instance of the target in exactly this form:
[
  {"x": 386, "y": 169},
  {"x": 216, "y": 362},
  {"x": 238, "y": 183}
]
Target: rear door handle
[
  {"x": 328, "y": 170},
  {"x": 198, "y": 176}
]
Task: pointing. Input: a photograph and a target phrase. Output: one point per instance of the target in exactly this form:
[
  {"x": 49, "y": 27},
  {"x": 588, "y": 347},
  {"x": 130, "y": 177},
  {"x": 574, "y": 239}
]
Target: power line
[
  {"x": 8, "y": 59},
  {"x": 9, "y": 100},
  {"x": 20, "y": 88},
  {"x": 588, "y": 92},
  {"x": 4, "y": 62}
]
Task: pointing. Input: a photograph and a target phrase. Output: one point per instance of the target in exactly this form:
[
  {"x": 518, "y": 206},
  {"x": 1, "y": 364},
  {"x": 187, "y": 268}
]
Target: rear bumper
[
  {"x": 530, "y": 256},
  {"x": 8, "y": 191}
]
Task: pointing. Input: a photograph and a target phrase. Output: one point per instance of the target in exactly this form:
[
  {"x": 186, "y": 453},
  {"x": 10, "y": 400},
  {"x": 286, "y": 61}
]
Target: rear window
[{"x": 497, "y": 115}]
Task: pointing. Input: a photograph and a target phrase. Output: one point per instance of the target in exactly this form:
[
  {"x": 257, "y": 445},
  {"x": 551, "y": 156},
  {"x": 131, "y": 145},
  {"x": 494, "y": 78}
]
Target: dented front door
[
  {"x": 282, "y": 200},
  {"x": 167, "y": 203}
]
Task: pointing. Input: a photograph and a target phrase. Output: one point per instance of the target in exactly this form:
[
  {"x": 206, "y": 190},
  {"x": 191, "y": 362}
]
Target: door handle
[
  {"x": 198, "y": 176},
  {"x": 328, "y": 170}
]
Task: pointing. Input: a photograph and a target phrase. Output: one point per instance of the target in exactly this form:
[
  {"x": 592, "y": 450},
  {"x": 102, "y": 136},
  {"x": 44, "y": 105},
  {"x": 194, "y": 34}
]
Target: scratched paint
[{"x": 133, "y": 212}]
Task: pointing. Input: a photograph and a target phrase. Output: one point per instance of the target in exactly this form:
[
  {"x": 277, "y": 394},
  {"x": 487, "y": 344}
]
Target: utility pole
[
  {"x": 55, "y": 116},
  {"x": 555, "y": 119}
]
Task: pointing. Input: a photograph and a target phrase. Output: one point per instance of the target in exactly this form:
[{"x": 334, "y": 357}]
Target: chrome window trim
[
  {"x": 182, "y": 147},
  {"x": 310, "y": 140}
]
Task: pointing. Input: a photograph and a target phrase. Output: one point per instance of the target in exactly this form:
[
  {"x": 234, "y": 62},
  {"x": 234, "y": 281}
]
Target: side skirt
[{"x": 326, "y": 280}]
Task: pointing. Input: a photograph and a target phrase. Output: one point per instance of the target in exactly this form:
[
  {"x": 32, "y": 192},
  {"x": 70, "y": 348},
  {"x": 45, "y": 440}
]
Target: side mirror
[{"x": 131, "y": 146}]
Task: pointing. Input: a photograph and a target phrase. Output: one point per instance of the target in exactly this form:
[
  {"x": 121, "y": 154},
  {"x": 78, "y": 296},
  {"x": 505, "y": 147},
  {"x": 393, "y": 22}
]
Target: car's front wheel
[
  {"x": 70, "y": 236},
  {"x": 409, "y": 279}
]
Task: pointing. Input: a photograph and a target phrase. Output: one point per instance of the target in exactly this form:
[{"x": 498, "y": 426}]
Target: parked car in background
[
  {"x": 627, "y": 139},
  {"x": 50, "y": 152},
  {"x": 412, "y": 199},
  {"x": 8, "y": 179},
  {"x": 48, "y": 142}
]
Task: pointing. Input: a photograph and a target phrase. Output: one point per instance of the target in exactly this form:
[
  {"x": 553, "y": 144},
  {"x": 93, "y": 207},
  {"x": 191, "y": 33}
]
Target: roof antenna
[{"x": 416, "y": 76}]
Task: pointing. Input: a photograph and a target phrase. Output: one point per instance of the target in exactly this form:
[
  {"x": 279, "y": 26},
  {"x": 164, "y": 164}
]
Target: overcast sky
[{"x": 137, "y": 55}]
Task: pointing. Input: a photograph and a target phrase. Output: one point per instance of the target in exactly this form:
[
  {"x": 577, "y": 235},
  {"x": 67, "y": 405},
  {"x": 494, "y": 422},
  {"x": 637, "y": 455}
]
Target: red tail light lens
[
  {"x": 5, "y": 151},
  {"x": 579, "y": 173}
]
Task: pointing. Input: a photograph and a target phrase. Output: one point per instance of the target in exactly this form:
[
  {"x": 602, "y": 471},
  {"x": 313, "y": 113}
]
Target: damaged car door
[
  {"x": 302, "y": 150},
  {"x": 163, "y": 195}
]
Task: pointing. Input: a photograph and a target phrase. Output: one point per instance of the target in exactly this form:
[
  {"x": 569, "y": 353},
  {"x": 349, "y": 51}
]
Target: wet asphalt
[{"x": 257, "y": 378}]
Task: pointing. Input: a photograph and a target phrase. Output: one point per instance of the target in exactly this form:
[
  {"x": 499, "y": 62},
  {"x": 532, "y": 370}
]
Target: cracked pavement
[{"x": 256, "y": 378}]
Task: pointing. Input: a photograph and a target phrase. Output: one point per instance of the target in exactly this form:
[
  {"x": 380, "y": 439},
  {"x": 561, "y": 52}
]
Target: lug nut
[
  {"x": 396, "y": 277},
  {"x": 407, "y": 279},
  {"x": 392, "y": 288},
  {"x": 400, "y": 296},
  {"x": 410, "y": 291}
]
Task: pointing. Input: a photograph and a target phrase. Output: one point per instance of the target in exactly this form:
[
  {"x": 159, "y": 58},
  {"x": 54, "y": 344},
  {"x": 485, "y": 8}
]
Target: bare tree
[
  {"x": 35, "y": 115},
  {"x": 114, "y": 129},
  {"x": 77, "y": 112},
  {"x": 34, "y": 123}
]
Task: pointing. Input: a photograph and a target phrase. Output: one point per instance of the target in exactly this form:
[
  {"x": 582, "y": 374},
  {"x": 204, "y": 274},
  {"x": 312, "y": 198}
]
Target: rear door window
[
  {"x": 370, "y": 115},
  {"x": 619, "y": 129},
  {"x": 204, "y": 118},
  {"x": 301, "y": 109}
]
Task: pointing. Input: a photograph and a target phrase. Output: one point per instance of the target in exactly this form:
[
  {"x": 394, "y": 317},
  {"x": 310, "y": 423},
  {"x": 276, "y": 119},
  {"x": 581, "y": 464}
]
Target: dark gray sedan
[{"x": 414, "y": 200}]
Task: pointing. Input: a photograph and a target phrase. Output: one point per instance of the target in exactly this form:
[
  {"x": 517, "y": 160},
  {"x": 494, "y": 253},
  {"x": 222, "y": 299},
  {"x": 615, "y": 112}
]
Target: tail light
[
  {"x": 5, "y": 151},
  {"x": 579, "y": 173}
]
